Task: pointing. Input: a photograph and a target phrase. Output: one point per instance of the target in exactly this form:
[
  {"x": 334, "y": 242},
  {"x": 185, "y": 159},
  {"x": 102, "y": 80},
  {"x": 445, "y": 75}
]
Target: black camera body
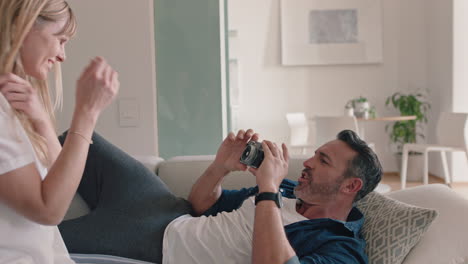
[{"x": 253, "y": 154}]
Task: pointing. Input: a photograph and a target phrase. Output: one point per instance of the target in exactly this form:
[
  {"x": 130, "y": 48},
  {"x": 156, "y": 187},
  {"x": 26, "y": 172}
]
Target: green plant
[
  {"x": 372, "y": 112},
  {"x": 411, "y": 104},
  {"x": 360, "y": 99},
  {"x": 352, "y": 102}
]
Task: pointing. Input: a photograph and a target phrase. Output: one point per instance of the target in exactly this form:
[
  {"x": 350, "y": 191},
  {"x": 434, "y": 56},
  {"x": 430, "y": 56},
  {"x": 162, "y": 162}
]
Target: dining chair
[
  {"x": 327, "y": 127},
  {"x": 451, "y": 137},
  {"x": 299, "y": 131}
]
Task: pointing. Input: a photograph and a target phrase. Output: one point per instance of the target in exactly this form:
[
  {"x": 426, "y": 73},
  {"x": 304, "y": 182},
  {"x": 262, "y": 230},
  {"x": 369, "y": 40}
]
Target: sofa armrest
[
  {"x": 446, "y": 240},
  {"x": 150, "y": 162}
]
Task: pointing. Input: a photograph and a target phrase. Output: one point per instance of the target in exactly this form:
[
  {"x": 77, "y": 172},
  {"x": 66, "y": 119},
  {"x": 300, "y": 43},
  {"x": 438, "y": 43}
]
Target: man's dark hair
[{"x": 365, "y": 165}]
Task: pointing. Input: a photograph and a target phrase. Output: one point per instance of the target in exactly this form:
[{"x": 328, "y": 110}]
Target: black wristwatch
[{"x": 277, "y": 197}]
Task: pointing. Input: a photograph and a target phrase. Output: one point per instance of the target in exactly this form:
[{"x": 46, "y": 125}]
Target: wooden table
[{"x": 389, "y": 118}]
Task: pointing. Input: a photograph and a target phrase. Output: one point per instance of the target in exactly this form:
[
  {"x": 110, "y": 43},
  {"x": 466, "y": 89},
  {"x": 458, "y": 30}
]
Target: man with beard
[{"x": 278, "y": 221}]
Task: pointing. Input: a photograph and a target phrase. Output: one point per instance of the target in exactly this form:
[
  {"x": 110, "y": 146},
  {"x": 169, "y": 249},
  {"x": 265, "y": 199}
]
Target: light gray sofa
[{"x": 446, "y": 240}]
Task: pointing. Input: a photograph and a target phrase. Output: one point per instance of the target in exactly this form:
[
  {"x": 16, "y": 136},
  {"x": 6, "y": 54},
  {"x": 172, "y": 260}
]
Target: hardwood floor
[{"x": 393, "y": 179}]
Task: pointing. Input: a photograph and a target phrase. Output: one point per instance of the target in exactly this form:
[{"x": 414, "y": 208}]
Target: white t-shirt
[
  {"x": 225, "y": 238},
  {"x": 21, "y": 240}
]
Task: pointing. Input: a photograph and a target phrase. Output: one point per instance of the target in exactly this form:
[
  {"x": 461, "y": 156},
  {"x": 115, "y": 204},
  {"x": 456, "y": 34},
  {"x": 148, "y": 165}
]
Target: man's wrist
[
  {"x": 218, "y": 169},
  {"x": 268, "y": 188},
  {"x": 266, "y": 204},
  {"x": 276, "y": 197}
]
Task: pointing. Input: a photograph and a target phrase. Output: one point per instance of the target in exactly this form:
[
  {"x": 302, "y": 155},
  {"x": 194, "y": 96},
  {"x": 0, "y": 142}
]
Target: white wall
[
  {"x": 121, "y": 31},
  {"x": 448, "y": 61},
  {"x": 460, "y": 78},
  {"x": 270, "y": 90},
  {"x": 440, "y": 64}
]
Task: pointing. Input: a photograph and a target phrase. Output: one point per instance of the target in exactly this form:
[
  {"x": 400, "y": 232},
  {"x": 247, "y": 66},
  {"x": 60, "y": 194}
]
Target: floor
[{"x": 393, "y": 179}]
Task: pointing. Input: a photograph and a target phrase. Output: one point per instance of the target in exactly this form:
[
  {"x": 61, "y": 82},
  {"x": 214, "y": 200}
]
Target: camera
[{"x": 253, "y": 154}]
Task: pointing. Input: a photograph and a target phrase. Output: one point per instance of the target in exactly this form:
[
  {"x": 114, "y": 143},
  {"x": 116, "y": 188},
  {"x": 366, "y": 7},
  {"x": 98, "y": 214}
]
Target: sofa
[{"x": 444, "y": 241}]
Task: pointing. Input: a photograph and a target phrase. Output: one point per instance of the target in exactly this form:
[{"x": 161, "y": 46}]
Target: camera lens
[
  {"x": 252, "y": 155},
  {"x": 246, "y": 153}
]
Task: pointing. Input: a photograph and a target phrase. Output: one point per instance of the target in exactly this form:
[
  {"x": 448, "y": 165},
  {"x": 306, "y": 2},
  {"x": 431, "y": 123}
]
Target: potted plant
[
  {"x": 361, "y": 107},
  {"x": 349, "y": 109},
  {"x": 402, "y": 132}
]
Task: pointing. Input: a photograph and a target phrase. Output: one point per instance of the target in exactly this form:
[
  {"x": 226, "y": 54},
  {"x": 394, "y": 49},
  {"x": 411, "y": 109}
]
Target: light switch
[{"x": 129, "y": 112}]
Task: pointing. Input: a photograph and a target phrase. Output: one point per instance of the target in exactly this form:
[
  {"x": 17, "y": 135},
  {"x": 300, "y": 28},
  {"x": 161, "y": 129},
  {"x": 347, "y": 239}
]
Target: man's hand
[
  {"x": 270, "y": 244},
  {"x": 207, "y": 189},
  {"x": 273, "y": 168},
  {"x": 230, "y": 151}
]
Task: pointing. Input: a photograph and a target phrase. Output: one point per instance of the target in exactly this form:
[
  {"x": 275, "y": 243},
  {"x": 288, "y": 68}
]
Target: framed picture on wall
[{"x": 326, "y": 32}]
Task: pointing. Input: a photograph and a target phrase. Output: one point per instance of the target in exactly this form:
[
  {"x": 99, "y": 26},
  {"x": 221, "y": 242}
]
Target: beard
[{"x": 325, "y": 191}]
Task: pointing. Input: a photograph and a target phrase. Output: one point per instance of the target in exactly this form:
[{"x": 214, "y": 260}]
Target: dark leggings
[{"x": 130, "y": 207}]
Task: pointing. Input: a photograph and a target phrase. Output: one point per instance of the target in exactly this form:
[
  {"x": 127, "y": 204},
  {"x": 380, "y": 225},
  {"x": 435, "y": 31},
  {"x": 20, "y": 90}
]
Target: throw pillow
[{"x": 392, "y": 228}]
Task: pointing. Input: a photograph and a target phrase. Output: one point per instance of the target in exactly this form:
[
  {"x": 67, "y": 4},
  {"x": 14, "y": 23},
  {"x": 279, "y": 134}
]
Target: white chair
[
  {"x": 451, "y": 137},
  {"x": 298, "y": 131},
  {"x": 327, "y": 127}
]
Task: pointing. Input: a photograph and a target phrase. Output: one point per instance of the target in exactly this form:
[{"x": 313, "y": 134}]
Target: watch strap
[{"x": 268, "y": 196}]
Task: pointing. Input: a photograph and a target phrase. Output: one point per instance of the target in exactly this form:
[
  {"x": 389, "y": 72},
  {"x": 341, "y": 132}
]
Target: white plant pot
[
  {"x": 415, "y": 168},
  {"x": 361, "y": 109},
  {"x": 349, "y": 111}
]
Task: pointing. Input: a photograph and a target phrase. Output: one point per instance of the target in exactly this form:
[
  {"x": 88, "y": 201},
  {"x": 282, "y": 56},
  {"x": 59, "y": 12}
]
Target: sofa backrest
[{"x": 181, "y": 172}]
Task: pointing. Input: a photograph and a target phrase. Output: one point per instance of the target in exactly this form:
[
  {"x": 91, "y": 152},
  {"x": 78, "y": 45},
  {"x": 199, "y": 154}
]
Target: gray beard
[{"x": 325, "y": 190}]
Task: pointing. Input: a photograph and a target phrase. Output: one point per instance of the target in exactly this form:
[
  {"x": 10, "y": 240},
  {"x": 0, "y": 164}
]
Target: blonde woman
[{"x": 38, "y": 177}]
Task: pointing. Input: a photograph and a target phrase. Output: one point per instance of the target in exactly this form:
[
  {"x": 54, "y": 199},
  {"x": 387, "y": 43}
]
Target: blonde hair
[{"x": 17, "y": 18}]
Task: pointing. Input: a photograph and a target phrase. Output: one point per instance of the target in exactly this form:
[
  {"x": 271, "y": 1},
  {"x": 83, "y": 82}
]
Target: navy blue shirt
[{"x": 317, "y": 241}]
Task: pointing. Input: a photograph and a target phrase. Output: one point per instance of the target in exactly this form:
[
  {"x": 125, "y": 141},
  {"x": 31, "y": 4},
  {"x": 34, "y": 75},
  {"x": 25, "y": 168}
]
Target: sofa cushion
[
  {"x": 78, "y": 207},
  {"x": 392, "y": 228},
  {"x": 446, "y": 240}
]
